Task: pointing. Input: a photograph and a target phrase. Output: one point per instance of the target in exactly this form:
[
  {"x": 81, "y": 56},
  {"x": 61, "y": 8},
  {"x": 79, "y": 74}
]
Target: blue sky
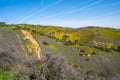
[{"x": 68, "y": 13}]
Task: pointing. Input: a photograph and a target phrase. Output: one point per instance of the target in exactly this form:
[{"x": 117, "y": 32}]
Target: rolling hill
[{"x": 36, "y": 52}]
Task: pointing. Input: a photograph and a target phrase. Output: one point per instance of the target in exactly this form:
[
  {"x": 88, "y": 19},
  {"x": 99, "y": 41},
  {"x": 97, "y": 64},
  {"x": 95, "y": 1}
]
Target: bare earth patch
[{"x": 33, "y": 46}]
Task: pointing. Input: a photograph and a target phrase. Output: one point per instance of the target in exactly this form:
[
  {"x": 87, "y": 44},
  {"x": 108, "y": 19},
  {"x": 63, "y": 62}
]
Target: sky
[{"x": 67, "y": 13}]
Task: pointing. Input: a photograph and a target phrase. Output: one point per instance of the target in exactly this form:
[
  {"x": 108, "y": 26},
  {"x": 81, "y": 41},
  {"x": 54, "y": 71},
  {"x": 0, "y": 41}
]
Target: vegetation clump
[
  {"x": 88, "y": 59},
  {"x": 6, "y": 75},
  {"x": 118, "y": 48},
  {"x": 45, "y": 43},
  {"x": 93, "y": 53},
  {"x": 51, "y": 67}
]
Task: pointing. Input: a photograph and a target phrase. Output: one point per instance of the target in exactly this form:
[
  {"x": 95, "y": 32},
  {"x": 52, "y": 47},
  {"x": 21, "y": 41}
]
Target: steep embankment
[{"x": 33, "y": 45}]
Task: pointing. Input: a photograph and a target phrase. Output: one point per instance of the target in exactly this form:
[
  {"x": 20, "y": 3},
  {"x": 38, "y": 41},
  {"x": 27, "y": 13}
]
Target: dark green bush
[
  {"x": 88, "y": 59},
  {"x": 68, "y": 43},
  {"x": 45, "y": 43},
  {"x": 81, "y": 54},
  {"x": 82, "y": 50},
  {"x": 93, "y": 53},
  {"x": 118, "y": 48}
]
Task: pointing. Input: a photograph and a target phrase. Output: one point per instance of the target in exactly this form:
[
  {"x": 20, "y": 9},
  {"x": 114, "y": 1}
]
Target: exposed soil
[{"x": 35, "y": 46}]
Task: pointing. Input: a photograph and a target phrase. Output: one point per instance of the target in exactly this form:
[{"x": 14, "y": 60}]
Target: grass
[
  {"x": 22, "y": 41},
  {"x": 110, "y": 33},
  {"x": 5, "y": 75},
  {"x": 118, "y": 70},
  {"x": 52, "y": 47},
  {"x": 60, "y": 48}
]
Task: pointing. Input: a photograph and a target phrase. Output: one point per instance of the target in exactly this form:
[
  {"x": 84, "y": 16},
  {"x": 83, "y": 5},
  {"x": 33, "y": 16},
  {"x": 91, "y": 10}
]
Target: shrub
[
  {"x": 107, "y": 73},
  {"x": 81, "y": 54},
  {"x": 76, "y": 42},
  {"x": 51, "y": 67},
  {"x": 7, "y": 60},
  {"x": 45, "y": 43},
  {"x": 68, "y": 43},
  {"x": 93, "y": 53},
  {"x": 64, "y": 37},
  {"x": 88, "y": 59},
  {"x": 5, "y": 75},
  {"x": 82, "y": 50},
  {"x": 118, "y": 48}
]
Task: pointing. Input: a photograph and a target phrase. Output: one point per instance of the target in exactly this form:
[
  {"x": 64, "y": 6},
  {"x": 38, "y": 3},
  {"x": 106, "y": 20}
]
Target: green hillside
[{"x": 37, "y": 52}]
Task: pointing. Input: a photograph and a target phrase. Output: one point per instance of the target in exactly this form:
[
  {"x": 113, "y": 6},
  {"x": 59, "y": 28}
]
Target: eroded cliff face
[{"x": 33, "y": 46}]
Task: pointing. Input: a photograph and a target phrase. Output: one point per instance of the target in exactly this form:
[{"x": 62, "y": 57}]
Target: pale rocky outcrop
[{"x": 33, "y": 46}]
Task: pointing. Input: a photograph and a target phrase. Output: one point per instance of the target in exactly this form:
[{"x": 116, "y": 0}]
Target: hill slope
[{"x": 56, "y": 53}]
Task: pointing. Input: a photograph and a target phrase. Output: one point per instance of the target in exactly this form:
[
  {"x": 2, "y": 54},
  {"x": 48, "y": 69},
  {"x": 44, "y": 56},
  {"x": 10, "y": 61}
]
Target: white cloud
[
  {"x": 39, "y": 10},
  {"x": 85, "y": 7}
]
